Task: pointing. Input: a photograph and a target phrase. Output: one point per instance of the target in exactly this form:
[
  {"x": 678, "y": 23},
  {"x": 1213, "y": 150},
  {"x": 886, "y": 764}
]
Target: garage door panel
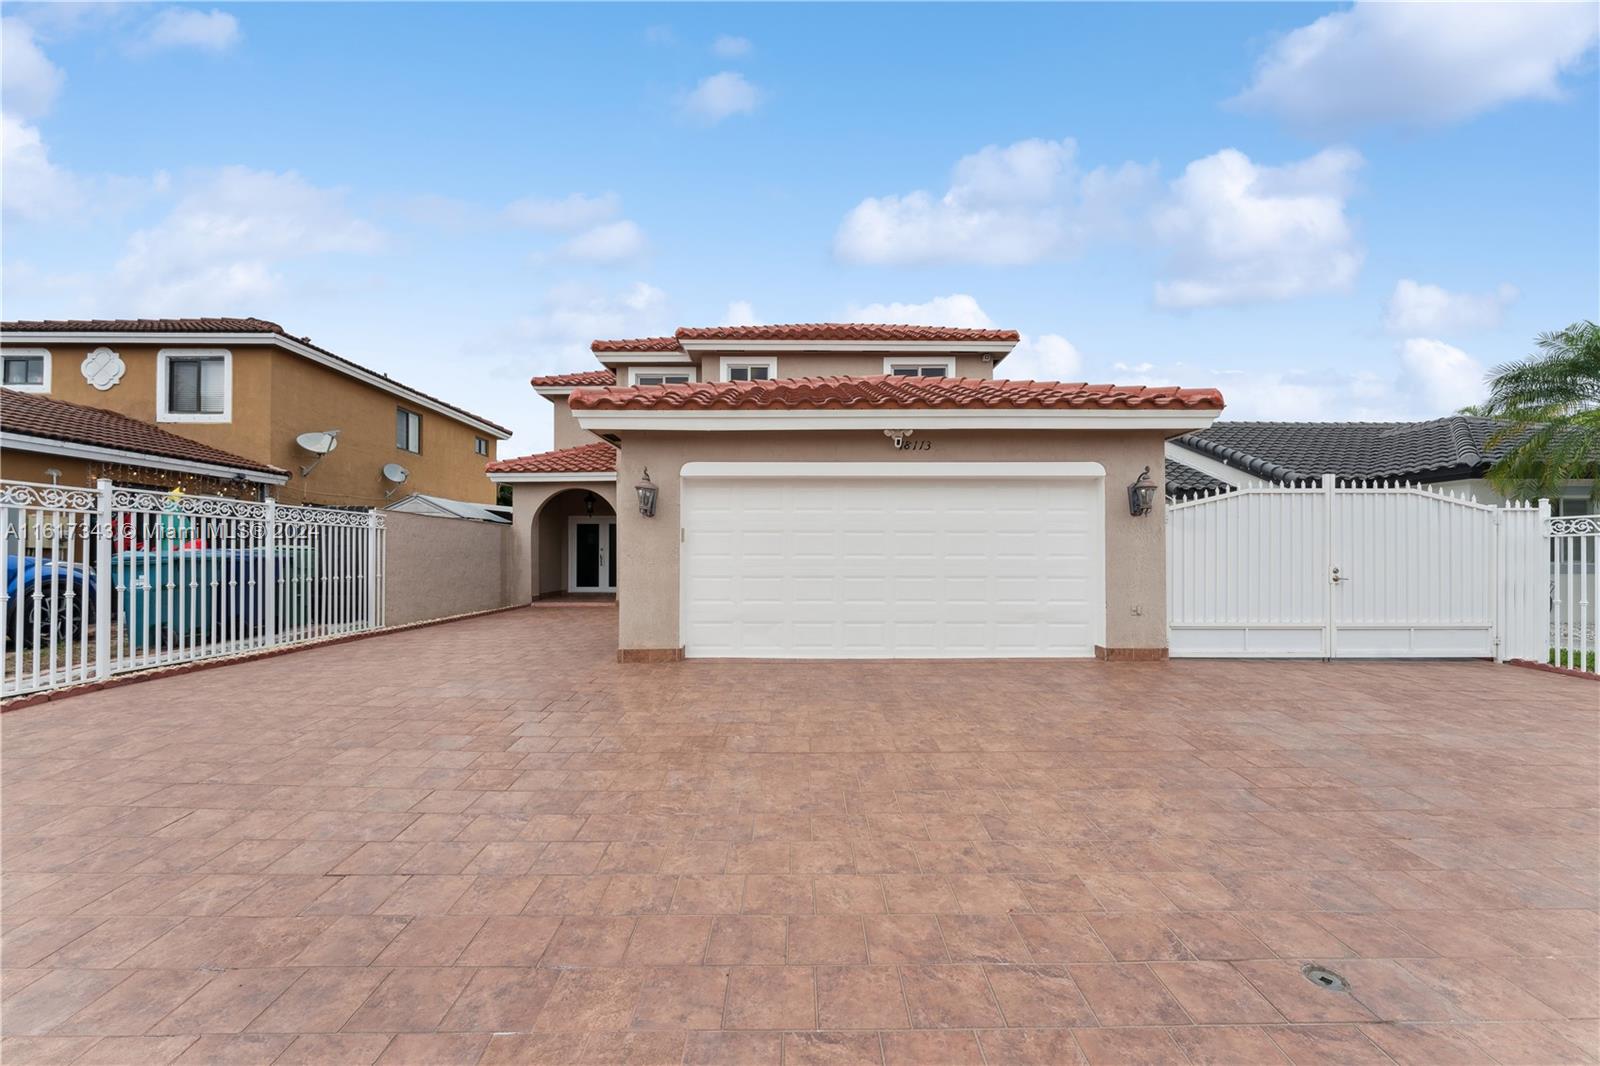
[{"x": 870, "y": 568}]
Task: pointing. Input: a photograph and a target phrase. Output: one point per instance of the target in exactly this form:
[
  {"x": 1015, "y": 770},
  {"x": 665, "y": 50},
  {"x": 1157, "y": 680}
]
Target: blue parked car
[{"x": 26, "y": 575}]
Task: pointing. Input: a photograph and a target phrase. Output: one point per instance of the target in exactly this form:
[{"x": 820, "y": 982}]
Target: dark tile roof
[
  {"x": 41, "y": 416},
  {"x": 1183, "y": 482},
  {"x": 215, "y": 325},
  {"x": 887, "y": 392},
  {"x": 598, "y": 457},
  {"x": 1457, "y": 446}
]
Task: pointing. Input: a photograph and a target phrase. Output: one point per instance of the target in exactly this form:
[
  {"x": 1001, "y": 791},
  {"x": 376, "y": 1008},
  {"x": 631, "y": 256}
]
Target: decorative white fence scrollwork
[
  {"x": 1574, "y": 544},
  {"x": 108, "y": 580}
]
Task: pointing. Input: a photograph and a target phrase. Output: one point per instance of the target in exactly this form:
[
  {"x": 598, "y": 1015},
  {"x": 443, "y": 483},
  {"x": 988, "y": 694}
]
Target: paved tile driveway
[{"x": 487, "y": 842}]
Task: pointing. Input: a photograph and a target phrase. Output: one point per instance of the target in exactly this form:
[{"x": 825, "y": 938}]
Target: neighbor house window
[
  {"x": 28, "y": 371},
  {"x": 407, "y": 430},
  {"x": 480, "y": 445},
  {"x": 653, "y": 377},
  {"x": 919, "y": 370},
  {"x": 194, "y": 386},
  {"x": 756, "y": 372}
]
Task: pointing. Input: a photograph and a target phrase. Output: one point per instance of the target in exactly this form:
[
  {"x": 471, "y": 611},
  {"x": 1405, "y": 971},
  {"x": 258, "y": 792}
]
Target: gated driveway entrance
[
  {"x": 488, "y": 840},
  {"x": 1355, "y": 570}
]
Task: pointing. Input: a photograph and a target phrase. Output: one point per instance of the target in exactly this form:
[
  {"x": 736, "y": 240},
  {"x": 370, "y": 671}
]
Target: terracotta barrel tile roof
[
  {"x": 851, "y": 393},
  {"x": 806, "y": 331},
  {"x": 643, "y": 344},
  {"x": 845, "y": 331},
  {"x": 581, "y": 377},
  {"x": 596, "y": 458},
  {"x": 40, "y": 416}
]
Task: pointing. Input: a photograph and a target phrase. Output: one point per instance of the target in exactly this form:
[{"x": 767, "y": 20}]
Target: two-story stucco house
[
  {"x": 244, "y": 388},
  {"x": 851, "y": 491}
]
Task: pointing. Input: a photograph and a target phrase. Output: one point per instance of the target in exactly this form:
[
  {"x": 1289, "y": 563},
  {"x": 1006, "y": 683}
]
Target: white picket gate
[
  {"x": 1354, "y": 570},
  {"x": 108, "y": 580}
]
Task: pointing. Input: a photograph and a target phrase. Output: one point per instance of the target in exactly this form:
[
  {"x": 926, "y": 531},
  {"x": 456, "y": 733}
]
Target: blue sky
[{"x": 1327, "y": 211}]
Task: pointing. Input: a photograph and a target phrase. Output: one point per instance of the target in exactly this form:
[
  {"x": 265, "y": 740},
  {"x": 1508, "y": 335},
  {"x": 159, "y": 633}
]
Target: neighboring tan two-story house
[
  {"x": 851, "y": 491},
  {"x": 246, "y": 388}
]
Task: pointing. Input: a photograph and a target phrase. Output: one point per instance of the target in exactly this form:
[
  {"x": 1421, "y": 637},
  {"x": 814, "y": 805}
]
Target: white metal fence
[
  {"x": 107, "y": 580},
  {"x": 1574, "y": 543},
  {"x": 1354, "y": 569}
]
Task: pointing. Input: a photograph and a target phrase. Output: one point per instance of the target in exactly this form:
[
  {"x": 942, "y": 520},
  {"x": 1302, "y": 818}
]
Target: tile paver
[{"x": 487, "y": 841}]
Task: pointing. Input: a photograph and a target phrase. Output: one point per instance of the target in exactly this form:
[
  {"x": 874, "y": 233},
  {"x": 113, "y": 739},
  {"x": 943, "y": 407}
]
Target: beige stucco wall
[
  {"x": 277, "y": 396},
  {"x": 536, "y": 562},
  {"x": 648, "y": 548},
  {"x": 566, "y": 433},
  {"x": 439, "y": 567}
]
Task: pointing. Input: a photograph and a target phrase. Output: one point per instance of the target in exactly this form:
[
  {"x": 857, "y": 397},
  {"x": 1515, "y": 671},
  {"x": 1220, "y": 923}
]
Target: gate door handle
[{"x": 1337, "y": 577}]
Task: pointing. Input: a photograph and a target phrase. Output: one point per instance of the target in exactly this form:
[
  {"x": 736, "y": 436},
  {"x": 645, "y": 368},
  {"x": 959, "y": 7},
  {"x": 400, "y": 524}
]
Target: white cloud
[
  {"x": 1240, "y": 232},
  {"x": 187, "y": 27},
  {"x": 1416, "y": 308},
  {"x": 33, "y": 187},
  {"x": 958, "y": 309},
  {"x": 1043, "y": 357},
  {"x": 29, "y": 82},
  {"x": 730, "y": 47},
  {"x": 1009, "y": 205},
  {"x": 571, "y": 316},
  {"x": 226, "y": 238},
  {"x": 609, "y": 242},
  {"x": 740, "y": 313},
  {"x": 722, "y": 96},
  {"x": 1417, "y": 64},
  {"x": 1446, "y": 376},
  {"x": 565, "y": 215}
]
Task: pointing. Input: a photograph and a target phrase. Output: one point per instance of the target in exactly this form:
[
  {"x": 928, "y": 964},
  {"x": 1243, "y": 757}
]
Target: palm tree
[{"x": 1550, "y": 404}]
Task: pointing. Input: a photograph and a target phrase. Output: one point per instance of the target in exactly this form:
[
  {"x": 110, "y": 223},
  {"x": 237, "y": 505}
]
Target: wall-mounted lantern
[
  {"x": 1142, "y": 494},
  {"x": 647, "y": 490},
  {"x": 588, "y": 505}
]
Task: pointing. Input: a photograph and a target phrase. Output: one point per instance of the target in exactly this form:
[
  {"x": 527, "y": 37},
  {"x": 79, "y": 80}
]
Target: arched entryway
[{"x": 574, "y": 545}]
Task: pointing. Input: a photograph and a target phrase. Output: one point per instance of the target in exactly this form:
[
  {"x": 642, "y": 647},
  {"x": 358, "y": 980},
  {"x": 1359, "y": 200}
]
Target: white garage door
[{"x": 884, "y": 560}]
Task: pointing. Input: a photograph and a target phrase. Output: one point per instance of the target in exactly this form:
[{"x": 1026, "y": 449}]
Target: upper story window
[
  {"x": 748, "y": 370},
  {"x": 27, "y": 369},
  {"x": 194, "y": 385},
  {"x": 480, "y": 445},
  {"x": 407, "y": 430},
  {"x": 659, "y": 375},
  {"x": 918, "y": 370}
]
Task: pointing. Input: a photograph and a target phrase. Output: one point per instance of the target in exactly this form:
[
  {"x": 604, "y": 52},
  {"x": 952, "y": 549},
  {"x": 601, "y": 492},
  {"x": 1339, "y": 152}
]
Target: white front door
[
  {"x": 885, "y": 560},
  {"x": 592, "y": 554}
]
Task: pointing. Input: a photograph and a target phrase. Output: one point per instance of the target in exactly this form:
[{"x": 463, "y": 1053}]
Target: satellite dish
[
  {"x": 396, "y": 473},
  {"x": 318, "y": 444}
]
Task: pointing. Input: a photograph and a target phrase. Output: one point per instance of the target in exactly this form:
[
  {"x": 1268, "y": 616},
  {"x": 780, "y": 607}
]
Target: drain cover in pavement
[{"x": 1321, "y": 975}]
